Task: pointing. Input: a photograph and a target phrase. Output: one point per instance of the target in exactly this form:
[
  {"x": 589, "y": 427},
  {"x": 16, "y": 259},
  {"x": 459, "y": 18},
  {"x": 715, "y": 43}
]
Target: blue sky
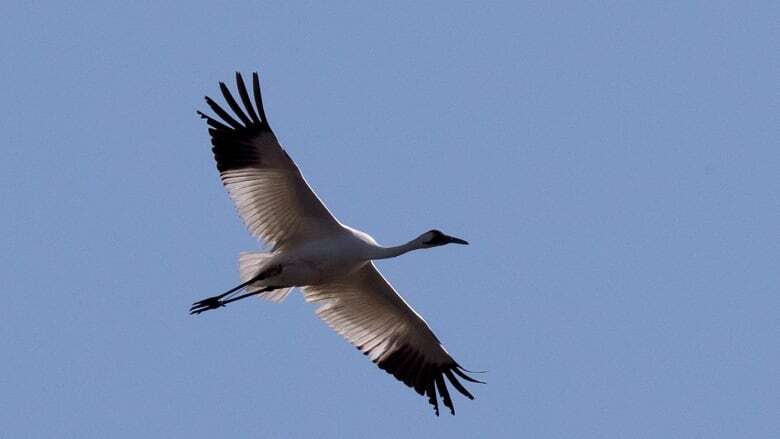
[{"x": 615, "y": 167}]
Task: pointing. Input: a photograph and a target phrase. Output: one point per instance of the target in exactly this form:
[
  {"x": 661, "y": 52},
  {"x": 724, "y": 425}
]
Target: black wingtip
[
  {"x": 469, "y": 371},
  {"x": 213, "y": 123},
  {"x": 458, "y": 386},
  {"x": 459, "y": 370},
  {"x": 237, "y": 110},
  {"x": 431, "y": 392},
  {"x": 244, "y": 95},
  {"x": 445, "y": 394},
  {"x": 244, "y": 118},
  {"x": 410, "y": 366},
  {"x": 258, "y": 97}
]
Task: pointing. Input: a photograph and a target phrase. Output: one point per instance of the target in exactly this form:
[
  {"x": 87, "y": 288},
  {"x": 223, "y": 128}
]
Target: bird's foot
[{"x": 206, "y": 304}]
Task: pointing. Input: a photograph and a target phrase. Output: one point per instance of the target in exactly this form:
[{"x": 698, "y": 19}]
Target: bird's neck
[{"x": 391, "y": 252}]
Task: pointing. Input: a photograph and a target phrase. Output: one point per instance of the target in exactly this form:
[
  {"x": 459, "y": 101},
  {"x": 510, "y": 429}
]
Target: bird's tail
[{"x": 249, "y": 265}]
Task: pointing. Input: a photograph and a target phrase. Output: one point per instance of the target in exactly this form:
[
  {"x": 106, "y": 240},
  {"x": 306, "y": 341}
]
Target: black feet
[{"x": 206, "y": 304}]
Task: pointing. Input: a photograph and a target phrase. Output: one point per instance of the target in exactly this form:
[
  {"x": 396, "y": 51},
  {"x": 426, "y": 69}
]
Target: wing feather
[
  {"x": 245, "y": 98},
  {"x": 272, "y": 197},
  {"x": 366, "y": 310},
  {"x": 233, "y": 104}
]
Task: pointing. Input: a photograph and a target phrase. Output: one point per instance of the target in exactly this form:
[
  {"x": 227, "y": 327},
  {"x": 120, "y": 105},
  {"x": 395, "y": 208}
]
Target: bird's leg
[
  {"x": 220, "y": 301},
  {"x": 217, "y": 301},
  {"x": 233, "y": 299}
]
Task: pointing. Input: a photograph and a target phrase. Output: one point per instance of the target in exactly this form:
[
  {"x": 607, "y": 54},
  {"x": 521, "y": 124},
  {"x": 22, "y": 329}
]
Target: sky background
[{"x": 615, "y": 167}]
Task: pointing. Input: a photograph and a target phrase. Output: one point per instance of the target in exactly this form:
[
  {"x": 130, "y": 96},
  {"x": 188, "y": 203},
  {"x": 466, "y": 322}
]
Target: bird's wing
[
  {"x": 365, "y": 309},
  {"x": 273, "y": 198}
]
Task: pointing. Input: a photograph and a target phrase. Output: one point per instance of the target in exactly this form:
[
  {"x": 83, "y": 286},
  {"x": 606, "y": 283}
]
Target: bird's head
[{"x": 435, "y": 238}]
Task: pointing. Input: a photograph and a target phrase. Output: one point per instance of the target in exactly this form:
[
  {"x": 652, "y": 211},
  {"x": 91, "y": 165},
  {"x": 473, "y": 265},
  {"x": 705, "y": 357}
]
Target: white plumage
[{"x": 312, "y": 250}]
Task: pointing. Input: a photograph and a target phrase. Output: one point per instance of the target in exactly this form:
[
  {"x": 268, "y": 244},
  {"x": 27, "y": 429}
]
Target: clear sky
[{"x": 615, "y": 167}]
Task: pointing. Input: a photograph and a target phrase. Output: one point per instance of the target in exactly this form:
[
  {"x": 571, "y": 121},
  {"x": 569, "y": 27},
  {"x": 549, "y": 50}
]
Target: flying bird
[{"x": 310, "y": 249}]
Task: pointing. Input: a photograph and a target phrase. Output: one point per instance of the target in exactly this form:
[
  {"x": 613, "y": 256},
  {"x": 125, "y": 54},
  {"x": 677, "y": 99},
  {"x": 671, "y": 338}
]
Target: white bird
[{"x": 329, "y": 261}]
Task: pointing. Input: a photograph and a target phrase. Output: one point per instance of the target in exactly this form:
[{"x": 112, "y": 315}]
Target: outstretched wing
[
  {"x": 366, "y": 310},
  {"x": 273, "y": 198}
]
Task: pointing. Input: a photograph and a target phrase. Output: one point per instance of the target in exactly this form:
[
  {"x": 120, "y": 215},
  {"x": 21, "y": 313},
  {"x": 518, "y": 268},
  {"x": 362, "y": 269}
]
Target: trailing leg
[{"x": 218, "y": 301}]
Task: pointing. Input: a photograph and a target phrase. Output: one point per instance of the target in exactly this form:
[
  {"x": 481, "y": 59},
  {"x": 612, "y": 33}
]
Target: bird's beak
[{"x": 454, "y": 240}]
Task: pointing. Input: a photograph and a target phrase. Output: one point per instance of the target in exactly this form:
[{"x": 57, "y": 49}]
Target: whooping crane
[{"x": 312, "y": 250}]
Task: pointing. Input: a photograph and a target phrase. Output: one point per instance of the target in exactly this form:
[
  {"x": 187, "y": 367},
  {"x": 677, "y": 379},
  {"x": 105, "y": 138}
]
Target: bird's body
[
  {"x": 317, "y": 261},
  {"x": 330, "y": 262}
]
